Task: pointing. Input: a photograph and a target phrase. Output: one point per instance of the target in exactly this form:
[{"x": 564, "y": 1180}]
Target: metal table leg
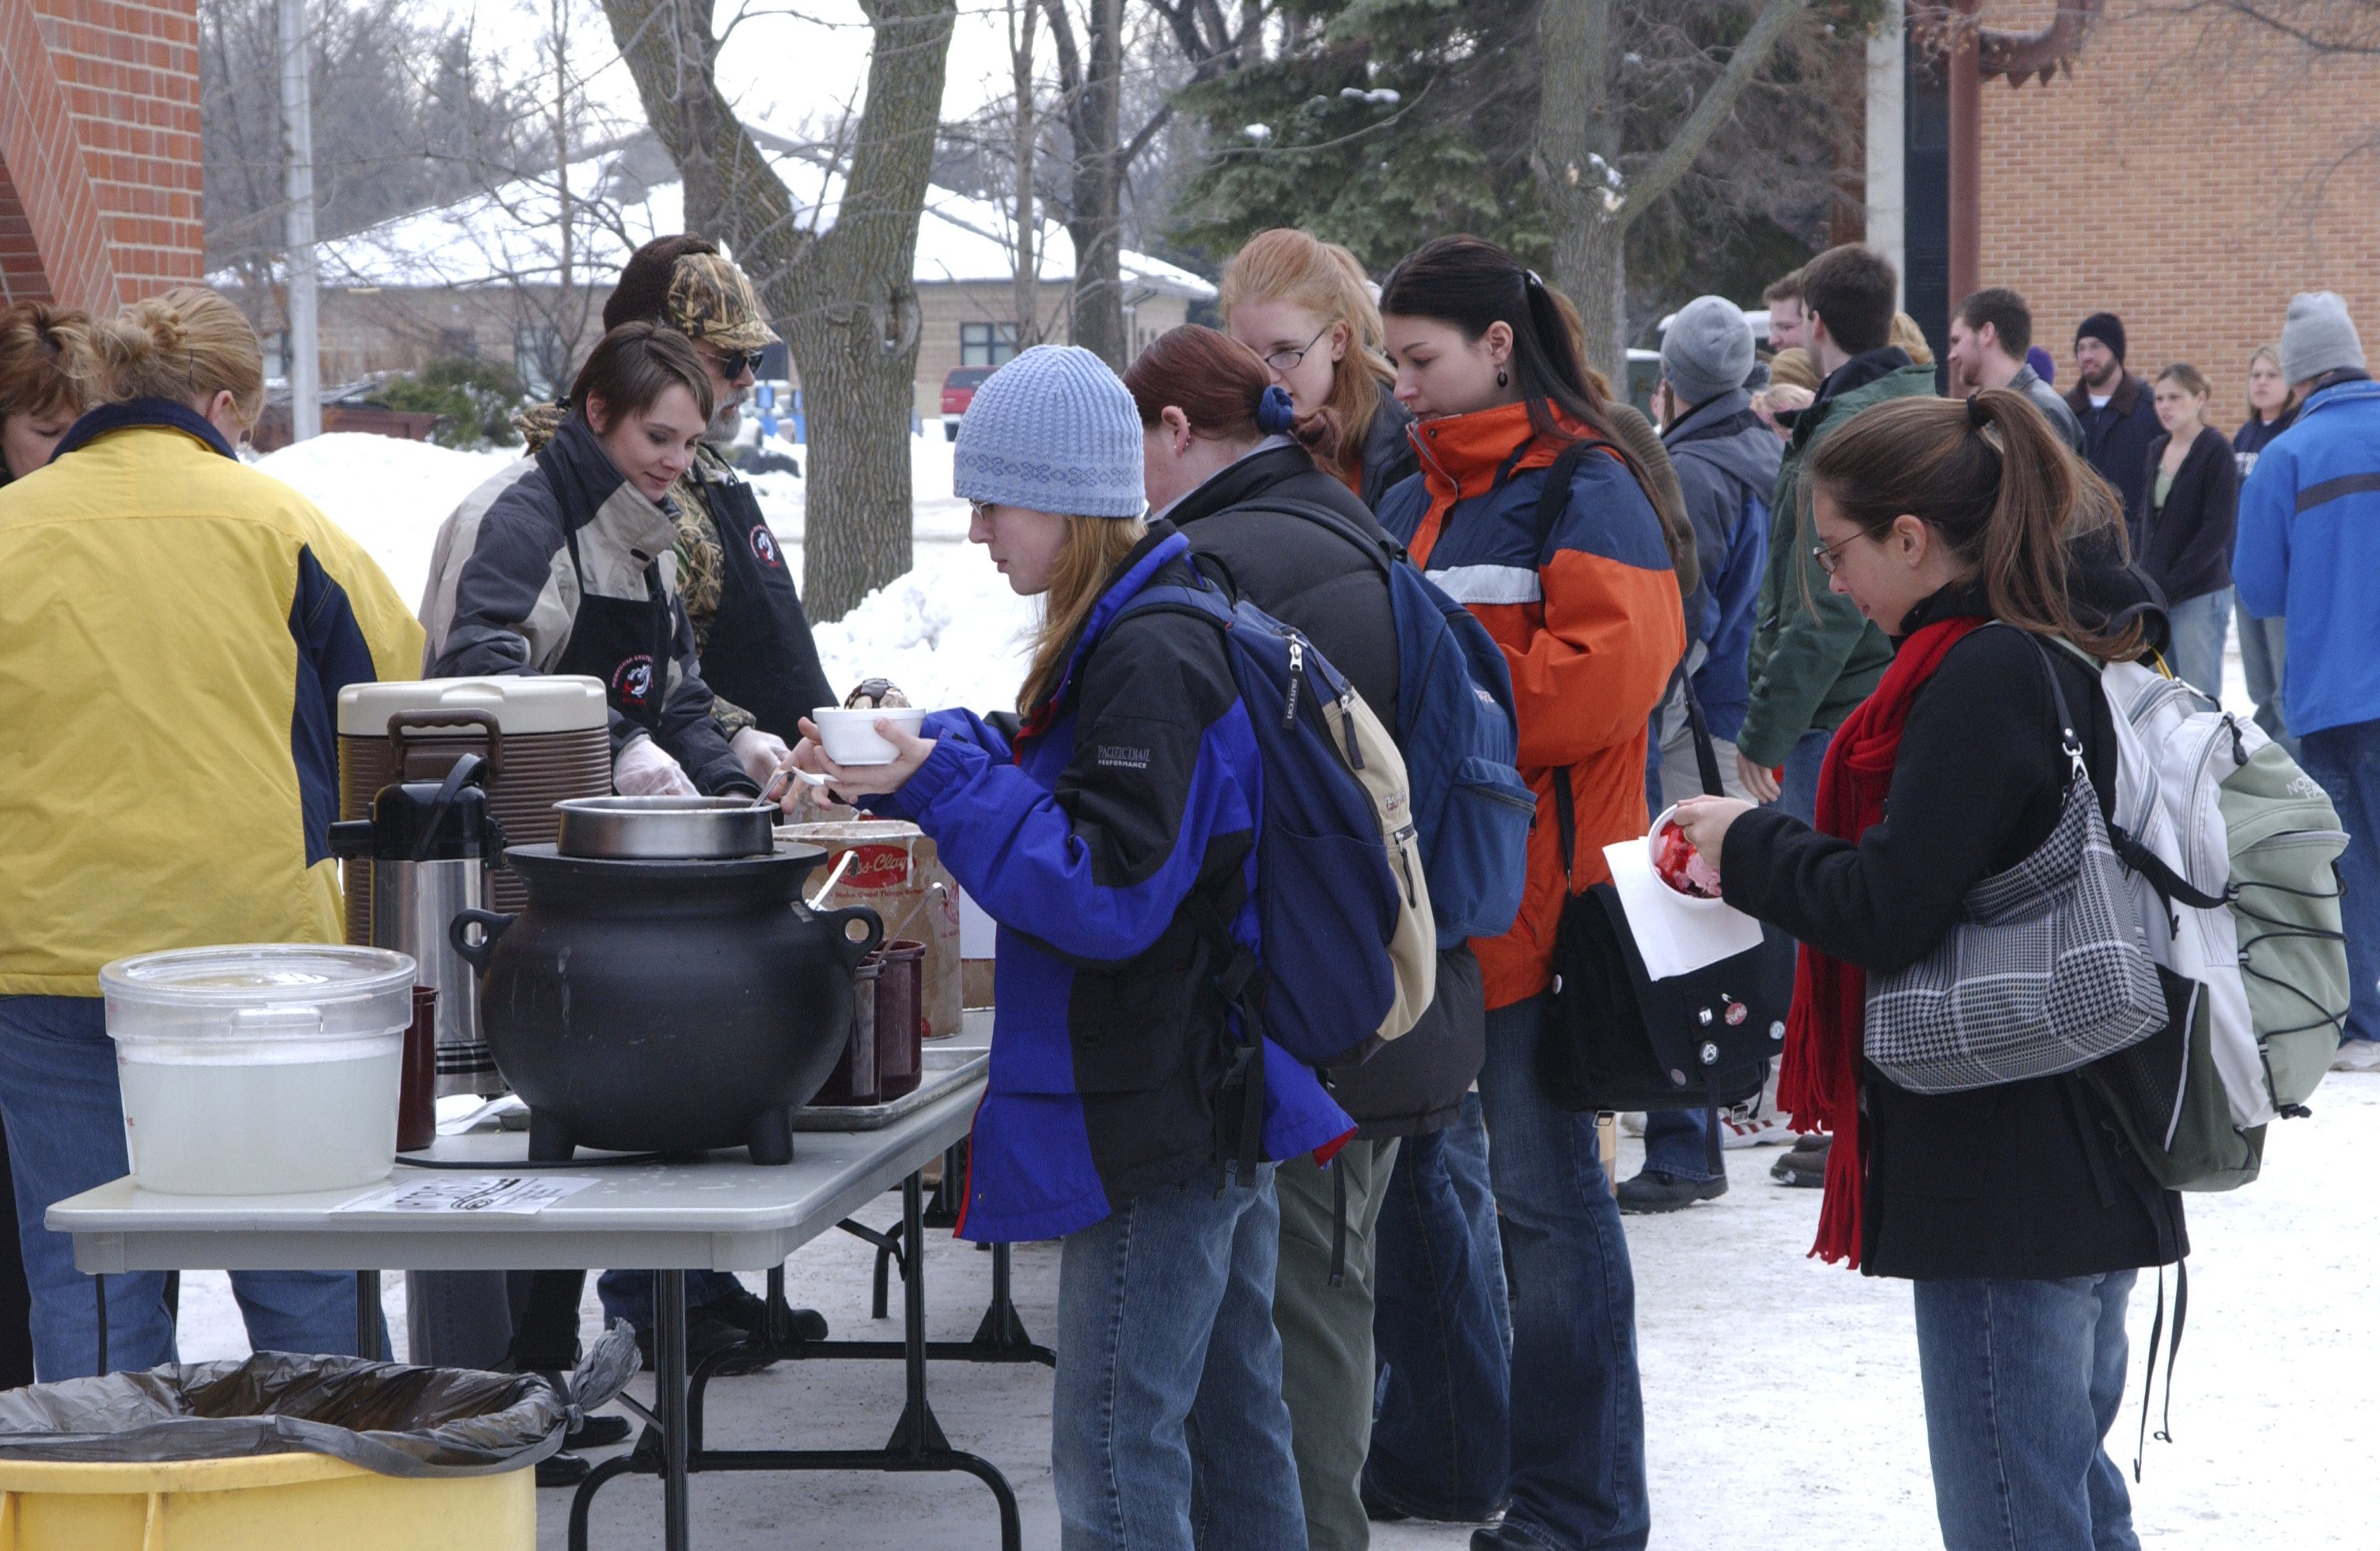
[
  {"x": 918, "y": 1441},
  {"x": 669, "y": 1389},
  {"x": 368, "y": 1316}
]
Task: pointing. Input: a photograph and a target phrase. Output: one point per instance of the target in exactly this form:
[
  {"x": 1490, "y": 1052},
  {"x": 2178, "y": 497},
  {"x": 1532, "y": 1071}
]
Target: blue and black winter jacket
[
  {"x": 1138, "y": 781},
  {"x": 2307, "y": 547}
]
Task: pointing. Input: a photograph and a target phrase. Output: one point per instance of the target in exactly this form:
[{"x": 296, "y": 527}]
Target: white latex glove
[
  {"x": 759, "y": 752},
  {"x": 643, "y": 770}
]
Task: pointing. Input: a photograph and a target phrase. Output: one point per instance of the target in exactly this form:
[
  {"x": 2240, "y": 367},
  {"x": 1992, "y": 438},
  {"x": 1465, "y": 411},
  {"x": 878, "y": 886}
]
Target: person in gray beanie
[
  {"x": 1096, "y": 832},
  {"x": 1705, "y": 351},
  {"x": 1727, "y": 463},
  {"x": 2307, "y": 548},
  {"x": 2318, "y": 337},
  {"x": 1054, "y": 431}
]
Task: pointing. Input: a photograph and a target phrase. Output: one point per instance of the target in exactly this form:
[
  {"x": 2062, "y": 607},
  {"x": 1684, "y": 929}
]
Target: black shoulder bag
[{"x": 1615, "y": 1038}]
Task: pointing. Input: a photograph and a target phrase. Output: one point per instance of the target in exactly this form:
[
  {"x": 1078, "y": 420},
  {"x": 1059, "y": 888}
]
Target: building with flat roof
[{"x": 486, "y": 276}]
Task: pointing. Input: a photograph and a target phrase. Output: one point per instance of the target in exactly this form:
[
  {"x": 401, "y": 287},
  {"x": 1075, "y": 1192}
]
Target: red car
[{"x": 958, "y": 391}]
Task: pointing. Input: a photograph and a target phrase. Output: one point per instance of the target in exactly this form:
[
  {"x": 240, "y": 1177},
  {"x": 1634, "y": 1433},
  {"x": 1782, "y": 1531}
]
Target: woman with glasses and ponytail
[
  {"x": 2018, "y": 1210},
  {"x": 1304, "y": 308},
  {"x": 1586, "y": 607}
]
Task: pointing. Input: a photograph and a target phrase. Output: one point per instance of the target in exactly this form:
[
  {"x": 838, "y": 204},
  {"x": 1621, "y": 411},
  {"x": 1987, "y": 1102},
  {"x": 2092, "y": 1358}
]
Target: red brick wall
[
  {"x": 98, "y": 149},
  {"x": 2189, "y": 178}
]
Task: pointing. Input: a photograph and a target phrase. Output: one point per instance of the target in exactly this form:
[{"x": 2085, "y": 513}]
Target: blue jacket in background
[
  {"x": 2309, "y": 548},
  {"x": 1726, "y": 464},
  {"x": 1138, "y": 781}
]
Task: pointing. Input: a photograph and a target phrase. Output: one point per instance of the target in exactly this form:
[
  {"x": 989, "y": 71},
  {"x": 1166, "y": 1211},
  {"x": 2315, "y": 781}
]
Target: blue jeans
[
  {"x": 1677, "y": 1142},
  {"x": 2197, "y": 628},
  {"x": 1577, "y": 1428},
  {"x": 2264, "y": 652},
  {"x": 2345, "y": 760},
  {"x": 1798, "y": 791},
  {"x": 629, "y": 1294},
  {"x": 65, "y": 1120},
  {"x": 2023, "y": 1380},
  {"x": 1167, "y": 1425},
  {"x": 1442, "y": 1330}
]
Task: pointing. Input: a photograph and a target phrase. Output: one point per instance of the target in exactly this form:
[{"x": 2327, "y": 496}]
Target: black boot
[
  {"x": 1805, "y": 1165},
  {"x": 1654, "y": 1191}
]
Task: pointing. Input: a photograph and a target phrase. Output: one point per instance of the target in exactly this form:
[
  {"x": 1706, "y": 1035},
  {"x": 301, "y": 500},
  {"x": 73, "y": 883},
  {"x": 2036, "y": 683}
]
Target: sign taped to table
[{"x": 506, "y": 1194}]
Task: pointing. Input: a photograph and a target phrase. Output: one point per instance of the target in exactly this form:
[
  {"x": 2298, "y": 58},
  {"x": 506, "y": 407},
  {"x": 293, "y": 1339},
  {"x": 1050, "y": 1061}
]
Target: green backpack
[{"x": 2232, "y": 849}]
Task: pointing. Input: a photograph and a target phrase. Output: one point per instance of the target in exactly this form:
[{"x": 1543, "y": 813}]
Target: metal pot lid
[{"x": 665, "y": 829}]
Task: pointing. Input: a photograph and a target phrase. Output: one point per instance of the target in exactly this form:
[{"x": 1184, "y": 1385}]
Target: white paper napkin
[{"x": 1673, "y": 935}]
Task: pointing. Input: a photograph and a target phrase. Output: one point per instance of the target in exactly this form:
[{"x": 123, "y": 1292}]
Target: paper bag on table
[{"x": 1674, "y": 934}]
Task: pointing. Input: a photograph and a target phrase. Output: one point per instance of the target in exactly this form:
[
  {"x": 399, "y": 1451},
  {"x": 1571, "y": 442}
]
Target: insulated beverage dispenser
[{"x": 430, "y": 843}]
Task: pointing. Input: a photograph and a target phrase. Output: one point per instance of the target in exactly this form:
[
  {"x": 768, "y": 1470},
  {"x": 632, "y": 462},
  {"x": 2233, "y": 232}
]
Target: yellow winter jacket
[{"x": 174, "y": 630}]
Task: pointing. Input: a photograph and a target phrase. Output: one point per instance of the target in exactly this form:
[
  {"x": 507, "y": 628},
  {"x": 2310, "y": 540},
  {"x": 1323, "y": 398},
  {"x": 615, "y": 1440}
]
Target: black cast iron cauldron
[{"x": 665, "y": 1006}]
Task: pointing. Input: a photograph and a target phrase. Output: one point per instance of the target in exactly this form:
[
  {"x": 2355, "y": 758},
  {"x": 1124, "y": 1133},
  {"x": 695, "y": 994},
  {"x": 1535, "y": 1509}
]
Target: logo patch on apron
[
  {"x": 764, "y": 544},
  {"x": 632, "y": 681}
]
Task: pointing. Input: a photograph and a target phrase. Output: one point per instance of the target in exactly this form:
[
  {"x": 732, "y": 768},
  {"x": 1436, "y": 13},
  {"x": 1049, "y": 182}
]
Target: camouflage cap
[{"x": 711, "y": 300}]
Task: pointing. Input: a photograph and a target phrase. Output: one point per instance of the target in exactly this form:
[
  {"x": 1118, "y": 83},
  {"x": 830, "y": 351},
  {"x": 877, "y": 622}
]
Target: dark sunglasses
[{"x": 736, "y": 363}]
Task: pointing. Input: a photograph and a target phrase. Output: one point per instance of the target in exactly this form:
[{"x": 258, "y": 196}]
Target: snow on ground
[
  {"x": 948, "y": 633},
  {"x": 1781, "y": 1395},
  {"x": 1781, "y": 1398}
]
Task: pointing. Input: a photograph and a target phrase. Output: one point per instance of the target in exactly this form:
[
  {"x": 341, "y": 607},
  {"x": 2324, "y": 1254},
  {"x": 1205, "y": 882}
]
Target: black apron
[
  {"x": 624, "y": 641},
  {"x": 760, "y": 654}
]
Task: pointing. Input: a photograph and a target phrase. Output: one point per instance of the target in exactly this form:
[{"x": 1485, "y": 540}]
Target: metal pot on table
[{"x": 666, "y": 989}]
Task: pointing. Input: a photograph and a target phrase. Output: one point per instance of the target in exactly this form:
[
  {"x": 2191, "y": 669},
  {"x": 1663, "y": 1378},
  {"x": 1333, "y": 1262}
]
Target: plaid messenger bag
[{"x": 2045, "y": 968}]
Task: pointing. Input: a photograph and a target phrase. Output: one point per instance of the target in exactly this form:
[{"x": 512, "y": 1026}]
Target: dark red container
[
  {"x": 416, "y": 1102},
  {"x": 900, "y": 1021},
  {"x": 855, "y": 1079}
]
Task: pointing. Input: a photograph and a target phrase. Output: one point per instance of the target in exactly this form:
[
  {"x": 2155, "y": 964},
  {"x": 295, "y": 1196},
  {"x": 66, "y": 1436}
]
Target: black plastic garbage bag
[{"x": 383, "y": 1416}]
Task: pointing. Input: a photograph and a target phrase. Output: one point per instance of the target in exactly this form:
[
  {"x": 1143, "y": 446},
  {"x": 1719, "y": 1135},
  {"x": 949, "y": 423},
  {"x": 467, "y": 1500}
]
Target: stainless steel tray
[{"x": 943, "y": 1068}]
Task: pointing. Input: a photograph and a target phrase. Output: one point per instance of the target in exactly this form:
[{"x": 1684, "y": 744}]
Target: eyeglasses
[
  {"x": 1828, "y": 555},
  {"x": 736, "y": 363},
  {"x": 1286, "y": 361},
  {"x": 979, "y": 511}
]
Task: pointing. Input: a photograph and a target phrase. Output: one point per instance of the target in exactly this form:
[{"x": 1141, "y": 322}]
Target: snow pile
[
  {"x": 389, "y": 494},
  {"x": 950, "y": 633}
]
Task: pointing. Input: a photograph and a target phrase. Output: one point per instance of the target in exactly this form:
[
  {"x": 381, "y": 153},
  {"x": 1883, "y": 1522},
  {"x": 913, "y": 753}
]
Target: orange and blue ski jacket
[{"x": 1590, "y": 623}]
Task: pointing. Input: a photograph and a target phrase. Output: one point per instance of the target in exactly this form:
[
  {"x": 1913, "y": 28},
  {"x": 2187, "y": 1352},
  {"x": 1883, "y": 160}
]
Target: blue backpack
[
  {"x": 1345, "y": 959},
  {"x": 1456, "y": 728}
]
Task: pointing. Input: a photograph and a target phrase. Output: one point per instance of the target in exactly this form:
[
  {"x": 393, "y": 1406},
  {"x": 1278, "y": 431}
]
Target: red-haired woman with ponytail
[{"x": 2018, "y": 1210}]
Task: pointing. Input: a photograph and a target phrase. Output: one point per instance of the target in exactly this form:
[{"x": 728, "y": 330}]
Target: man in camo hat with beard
[
  {"x": 762, "y": 667},
  {"x": 748, "y": 626}
]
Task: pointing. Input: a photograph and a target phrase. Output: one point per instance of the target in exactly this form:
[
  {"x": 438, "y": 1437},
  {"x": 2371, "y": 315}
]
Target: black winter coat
[
  {"x": 2115, "y": 435},
  {"x": 1305, "y": 574},
  {"x": 2028, "y": 1180},
  {"x": 2185, "y": 546},
  {"x": 1388, "y": 456}
]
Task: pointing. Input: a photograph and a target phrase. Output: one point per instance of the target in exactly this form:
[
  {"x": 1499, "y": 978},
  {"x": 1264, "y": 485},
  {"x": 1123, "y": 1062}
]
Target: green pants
[{"x": 1326, "y": 1336}]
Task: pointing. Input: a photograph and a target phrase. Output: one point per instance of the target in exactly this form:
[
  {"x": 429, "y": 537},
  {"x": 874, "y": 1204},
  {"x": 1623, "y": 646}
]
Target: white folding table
[{"x": 720, "y": 1213}]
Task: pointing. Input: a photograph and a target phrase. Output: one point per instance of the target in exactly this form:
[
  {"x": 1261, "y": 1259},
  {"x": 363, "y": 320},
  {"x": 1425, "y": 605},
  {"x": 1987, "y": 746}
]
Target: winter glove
[
  {"x": 643, "y": 770},
  {"x": 759, "y": 752}
]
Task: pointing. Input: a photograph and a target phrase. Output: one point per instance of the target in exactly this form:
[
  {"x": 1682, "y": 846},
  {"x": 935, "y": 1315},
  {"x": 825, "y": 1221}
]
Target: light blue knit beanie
[{"x": 1053, "y": 431}]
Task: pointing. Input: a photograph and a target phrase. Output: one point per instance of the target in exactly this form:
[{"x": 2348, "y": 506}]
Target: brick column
[{"x": 98, "y": 149}]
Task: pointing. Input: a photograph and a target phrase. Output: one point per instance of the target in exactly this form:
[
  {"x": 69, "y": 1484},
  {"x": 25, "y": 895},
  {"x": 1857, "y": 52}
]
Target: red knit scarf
[{"x": 1820, "y": 1079}]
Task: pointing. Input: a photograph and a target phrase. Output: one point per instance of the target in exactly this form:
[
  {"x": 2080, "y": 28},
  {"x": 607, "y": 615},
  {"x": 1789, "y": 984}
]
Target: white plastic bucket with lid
[{"x": 260, "y": 1069}]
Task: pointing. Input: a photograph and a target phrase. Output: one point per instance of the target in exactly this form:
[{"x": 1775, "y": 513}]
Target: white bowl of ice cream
[{"x": 1678, "y": 866}]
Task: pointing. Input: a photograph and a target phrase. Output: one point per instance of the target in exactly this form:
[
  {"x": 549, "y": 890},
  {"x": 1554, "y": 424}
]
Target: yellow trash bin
[{"x": 268, "y": 1502}]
